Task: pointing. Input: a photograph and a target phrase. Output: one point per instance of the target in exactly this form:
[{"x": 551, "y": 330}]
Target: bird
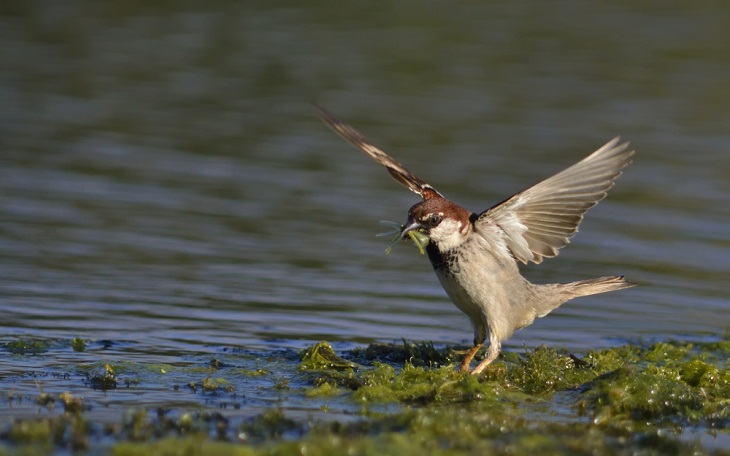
[{"x": 475, "y": 255}]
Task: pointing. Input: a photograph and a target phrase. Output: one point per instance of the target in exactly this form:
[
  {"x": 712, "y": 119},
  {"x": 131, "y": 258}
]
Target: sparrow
[{"x": 475, "y": 256}]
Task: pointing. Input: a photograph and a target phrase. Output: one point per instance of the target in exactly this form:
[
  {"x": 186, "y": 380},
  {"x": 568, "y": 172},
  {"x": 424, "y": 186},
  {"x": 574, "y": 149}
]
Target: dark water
[{"x": 165, "y": 183}]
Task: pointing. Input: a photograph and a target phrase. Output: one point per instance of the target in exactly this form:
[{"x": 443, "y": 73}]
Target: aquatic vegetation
[
  {"x": 419, "y": 237},
  {"x": 27, "y": 347},
  {"x": 78, "y": 344},
  {"x": 447, "y": 430},
  {"x": 102, "y": 377},
  {"x": 679, "y": 391},
  {"x": 416, "y": 354},
  {"x": 71, "y": 405},
  {"x": 322, "y": 357},
  {"x": 405, "y": 398},
  {"x": 211, "y": 384}
]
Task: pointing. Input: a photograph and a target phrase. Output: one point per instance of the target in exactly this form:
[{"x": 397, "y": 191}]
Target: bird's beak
[{"x": 409, "y": 226}]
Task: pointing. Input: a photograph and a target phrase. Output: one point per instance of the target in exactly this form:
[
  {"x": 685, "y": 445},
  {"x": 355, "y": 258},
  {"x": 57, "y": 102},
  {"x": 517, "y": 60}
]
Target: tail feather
[{"x": 595, "y": 286}]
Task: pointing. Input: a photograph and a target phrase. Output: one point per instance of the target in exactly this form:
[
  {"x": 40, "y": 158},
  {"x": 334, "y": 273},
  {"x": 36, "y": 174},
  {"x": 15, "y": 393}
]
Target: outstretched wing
[
  {"x": 537, "y": 222},
  {"x": 398, "y": 171}
]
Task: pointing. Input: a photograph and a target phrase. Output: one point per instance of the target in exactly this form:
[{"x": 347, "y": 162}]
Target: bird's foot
[
  {"x": 492, "y": 353},
  {"x": 481, "y": 366},
  {"x": 466, "y": 362}
]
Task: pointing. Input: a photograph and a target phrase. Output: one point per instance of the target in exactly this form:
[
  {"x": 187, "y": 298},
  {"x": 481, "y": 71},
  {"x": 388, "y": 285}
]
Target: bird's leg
[
  {"x": 469, "y": 356},
  {"x": 492, "y": 353}
]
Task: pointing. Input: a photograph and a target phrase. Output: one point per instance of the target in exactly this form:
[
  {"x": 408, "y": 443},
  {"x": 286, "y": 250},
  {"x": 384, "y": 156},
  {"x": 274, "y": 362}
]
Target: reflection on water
[{"x": 164, "y": 181}]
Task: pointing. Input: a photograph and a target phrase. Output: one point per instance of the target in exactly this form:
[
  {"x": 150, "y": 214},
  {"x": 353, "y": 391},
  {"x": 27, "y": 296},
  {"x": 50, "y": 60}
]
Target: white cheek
[{"x": 447, "y": 235}]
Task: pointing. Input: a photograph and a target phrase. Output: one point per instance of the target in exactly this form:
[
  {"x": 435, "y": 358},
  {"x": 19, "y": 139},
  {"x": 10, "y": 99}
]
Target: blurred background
[{"x": 165, "y": 182}]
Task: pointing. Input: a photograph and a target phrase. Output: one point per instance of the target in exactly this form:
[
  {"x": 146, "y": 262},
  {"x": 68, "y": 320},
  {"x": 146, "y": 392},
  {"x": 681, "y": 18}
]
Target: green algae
[
  {"x": 405, "y": 398},
  {"x": 665, "y": 384},
  {"x": 676, "y": 391},
  {"x": 39, "y": 436},
  {"x": 27, "y": 347},
  {"x": 416, "y": 354},
  {"x": 102, "y": 377},
  {"x": 668, "y": 382},
  {"x": 211, "y": 384},
  {"x": 78, "y": 344},
  {"x": 418, "y": 385},
  {"x": 322, "y": 357},
  {"x": 443, "y": 431},
  {"x": 542, "y": 371}
]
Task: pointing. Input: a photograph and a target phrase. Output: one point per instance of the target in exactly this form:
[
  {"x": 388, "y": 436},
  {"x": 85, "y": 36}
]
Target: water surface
[{"x": 165, "y": 183}]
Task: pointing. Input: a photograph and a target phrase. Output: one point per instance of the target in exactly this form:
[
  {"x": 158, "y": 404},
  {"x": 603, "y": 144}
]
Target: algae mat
[{"x": 666, "y": 398}]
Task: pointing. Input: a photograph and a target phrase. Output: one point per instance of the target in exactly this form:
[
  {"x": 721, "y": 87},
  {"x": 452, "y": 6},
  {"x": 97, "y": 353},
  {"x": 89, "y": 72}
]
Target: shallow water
[{"x": 165, "y": 183}]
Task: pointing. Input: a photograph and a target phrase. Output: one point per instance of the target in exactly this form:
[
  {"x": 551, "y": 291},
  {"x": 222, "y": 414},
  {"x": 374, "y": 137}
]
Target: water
[{"x": 165, "y": 183}]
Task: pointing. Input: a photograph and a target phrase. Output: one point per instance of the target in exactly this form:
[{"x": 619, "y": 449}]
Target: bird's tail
[
  {"x": 594, "y": 286},
  {"x": 551, "y": 296}
]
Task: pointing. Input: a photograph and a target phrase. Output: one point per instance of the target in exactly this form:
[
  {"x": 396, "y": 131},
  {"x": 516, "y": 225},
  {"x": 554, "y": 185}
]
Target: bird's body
[
  {"x": 498, "y": 300},
  {"x": 475, "y": 255}
]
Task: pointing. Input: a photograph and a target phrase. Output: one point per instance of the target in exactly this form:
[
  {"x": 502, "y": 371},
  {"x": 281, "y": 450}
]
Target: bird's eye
[{"x": 433, "y": 219}]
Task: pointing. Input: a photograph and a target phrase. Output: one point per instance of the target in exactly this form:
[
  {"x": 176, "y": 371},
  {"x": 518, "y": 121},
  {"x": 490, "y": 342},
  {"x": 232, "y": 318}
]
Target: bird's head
[{"x": 446, "y": 224}]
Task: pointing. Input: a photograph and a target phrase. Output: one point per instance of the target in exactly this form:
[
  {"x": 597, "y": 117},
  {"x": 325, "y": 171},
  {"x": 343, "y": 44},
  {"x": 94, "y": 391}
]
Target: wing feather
[
  {"x": 399, "y": 172},
  {"x": 540, "y": 220}
]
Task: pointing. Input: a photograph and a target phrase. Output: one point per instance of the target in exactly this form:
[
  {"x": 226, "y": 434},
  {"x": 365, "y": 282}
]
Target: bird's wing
[
  {"x": 538, "y": 221},
  {"x": 398, "y": 171}
]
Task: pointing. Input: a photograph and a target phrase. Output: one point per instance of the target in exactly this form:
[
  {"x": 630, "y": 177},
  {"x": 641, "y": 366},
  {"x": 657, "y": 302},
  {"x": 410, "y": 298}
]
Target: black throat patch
[{"x": 447, "y": 262}]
